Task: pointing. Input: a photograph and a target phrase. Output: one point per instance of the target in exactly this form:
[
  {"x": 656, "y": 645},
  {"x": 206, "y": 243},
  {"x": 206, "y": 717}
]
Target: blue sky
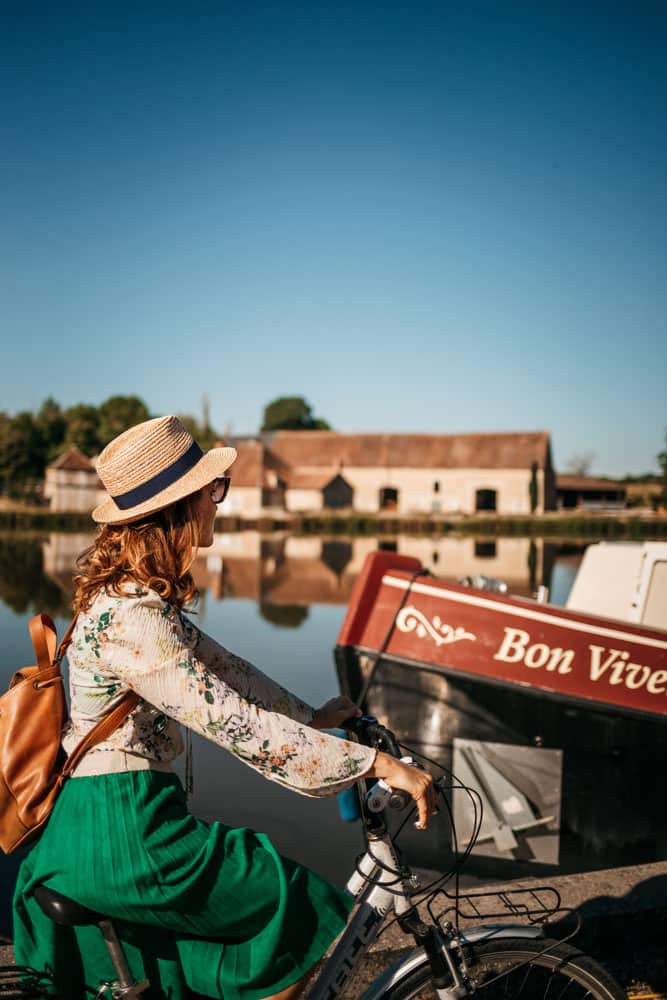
[{"x": 438, "y": 217}]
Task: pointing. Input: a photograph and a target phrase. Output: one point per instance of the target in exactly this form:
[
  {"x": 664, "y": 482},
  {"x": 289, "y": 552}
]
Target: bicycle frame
[
  {"x": 379, "y": 892},
  {"x": 381, "y": 886}
]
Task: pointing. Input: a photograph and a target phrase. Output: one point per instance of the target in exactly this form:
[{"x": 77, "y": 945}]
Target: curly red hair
[{"x": 156, "y": 552}]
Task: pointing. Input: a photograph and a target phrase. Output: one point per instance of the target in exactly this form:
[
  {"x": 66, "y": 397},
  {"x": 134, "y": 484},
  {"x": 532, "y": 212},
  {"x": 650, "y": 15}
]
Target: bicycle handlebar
[{"x": 372, "y": 733}]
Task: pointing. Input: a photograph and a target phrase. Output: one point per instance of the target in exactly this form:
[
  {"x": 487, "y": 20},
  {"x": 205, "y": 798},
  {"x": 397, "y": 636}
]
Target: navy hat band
[{"x": 161, "y": 481}]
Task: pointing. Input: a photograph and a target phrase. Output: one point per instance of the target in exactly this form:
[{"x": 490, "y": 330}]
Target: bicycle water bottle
[
  {"x": 348, "y": 801},
  {"x": 348, "y": 805}
]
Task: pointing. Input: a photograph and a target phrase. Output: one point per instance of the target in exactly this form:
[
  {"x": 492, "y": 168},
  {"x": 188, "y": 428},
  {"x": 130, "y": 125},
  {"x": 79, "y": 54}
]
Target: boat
[
  {"x": 606, "y": 647},
  {"x": 554, "y": 716}
]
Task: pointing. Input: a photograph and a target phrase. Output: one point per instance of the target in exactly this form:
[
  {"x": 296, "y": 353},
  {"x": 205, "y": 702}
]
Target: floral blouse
[{"x": 140, "y": 641}]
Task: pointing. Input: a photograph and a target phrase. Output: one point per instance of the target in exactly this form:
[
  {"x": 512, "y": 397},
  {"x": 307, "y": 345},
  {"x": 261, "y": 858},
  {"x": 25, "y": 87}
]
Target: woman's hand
[
  {"x": 334, "y": 712},
  {"x": 417, "y": 783}
]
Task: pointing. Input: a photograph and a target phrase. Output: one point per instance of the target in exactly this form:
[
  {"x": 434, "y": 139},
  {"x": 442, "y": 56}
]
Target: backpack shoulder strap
[
  {"x": 66, "y": 639},
  {"x": 101, "y": 731},
  {"x": 43, "y": 633},
  {"x": 44, "y": 640}
]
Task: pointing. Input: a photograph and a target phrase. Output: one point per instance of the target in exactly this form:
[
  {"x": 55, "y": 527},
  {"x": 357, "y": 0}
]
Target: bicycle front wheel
[{"x": 520, "y": 969}]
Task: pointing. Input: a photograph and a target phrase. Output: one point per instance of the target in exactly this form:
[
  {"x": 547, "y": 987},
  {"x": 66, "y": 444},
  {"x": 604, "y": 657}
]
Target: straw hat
[{"x": 152, "y": 465}]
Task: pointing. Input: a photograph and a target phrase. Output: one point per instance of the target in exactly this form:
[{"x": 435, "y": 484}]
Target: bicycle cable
[{"x": 429, "y": 891}]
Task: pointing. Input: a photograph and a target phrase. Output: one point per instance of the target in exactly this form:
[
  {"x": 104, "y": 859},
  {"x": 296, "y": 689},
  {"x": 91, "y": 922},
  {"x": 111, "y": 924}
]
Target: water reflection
[
  {"x": 25, "y": 584},
  {"x": 284, "y": 574}
]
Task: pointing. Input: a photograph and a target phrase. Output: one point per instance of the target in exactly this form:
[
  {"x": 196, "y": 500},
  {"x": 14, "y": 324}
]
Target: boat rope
[{"x": 390, "y": 631}]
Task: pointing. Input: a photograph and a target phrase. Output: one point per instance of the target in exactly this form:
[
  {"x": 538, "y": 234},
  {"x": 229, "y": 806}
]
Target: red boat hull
[{"x": 410, "y": 616}]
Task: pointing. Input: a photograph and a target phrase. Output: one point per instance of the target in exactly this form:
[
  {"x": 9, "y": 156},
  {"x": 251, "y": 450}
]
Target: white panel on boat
[
  {"x": 654, "y": 612},
  {"x": 607, "y": 580},
  {"x": 623, "y": 580}
]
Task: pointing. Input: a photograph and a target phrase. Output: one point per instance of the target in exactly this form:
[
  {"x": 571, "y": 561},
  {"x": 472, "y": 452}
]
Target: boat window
[{"x": 656, "y": 597}]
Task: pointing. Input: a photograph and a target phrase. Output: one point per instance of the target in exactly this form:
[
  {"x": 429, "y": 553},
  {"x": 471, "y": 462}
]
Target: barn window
[
  {"x": 485, "y": 550},
  {"x": 388, "y": 498},
  {"x": 485, "y": 500}
]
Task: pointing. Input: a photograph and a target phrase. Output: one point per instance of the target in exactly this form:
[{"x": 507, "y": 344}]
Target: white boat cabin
[{"x": 623, "y": 580}]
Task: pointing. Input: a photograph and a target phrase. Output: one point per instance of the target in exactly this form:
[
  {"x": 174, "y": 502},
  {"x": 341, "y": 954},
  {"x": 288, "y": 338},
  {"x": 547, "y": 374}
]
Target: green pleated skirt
[{"x": 199, "y": 906}]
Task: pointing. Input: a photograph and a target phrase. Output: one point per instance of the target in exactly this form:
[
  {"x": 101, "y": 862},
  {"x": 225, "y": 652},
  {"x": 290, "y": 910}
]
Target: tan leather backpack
[{"x": 33, "y": 711}]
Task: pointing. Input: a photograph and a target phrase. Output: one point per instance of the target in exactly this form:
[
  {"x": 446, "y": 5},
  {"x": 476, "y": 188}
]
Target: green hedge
[{"x": 545, "y": 526}]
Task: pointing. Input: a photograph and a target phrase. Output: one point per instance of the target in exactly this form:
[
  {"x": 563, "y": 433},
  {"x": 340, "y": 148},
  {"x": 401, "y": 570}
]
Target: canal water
[{"x": 578, "y": 780}]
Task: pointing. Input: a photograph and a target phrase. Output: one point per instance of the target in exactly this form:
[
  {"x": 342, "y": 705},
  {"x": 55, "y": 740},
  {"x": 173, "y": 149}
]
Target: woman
[{"x": 201, "y": 906}]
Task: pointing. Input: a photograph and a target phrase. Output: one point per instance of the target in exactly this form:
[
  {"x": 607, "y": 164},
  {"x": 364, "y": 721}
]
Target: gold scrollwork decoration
[{"x": 409, "y": 619}]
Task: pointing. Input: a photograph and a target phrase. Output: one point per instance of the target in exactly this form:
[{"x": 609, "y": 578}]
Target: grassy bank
[
  {"x": 43, "y": 520},
  {"x": 568, "y": 527},
  {"x": 553, "y": 525}
]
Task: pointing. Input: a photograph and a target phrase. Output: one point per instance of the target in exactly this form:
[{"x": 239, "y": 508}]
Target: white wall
[
  {"x": 69, "y": 490},
  {"x": 303, "y": 500},
  {"x": 242, "y": 500},
  {"x": 456, "y": 494}
]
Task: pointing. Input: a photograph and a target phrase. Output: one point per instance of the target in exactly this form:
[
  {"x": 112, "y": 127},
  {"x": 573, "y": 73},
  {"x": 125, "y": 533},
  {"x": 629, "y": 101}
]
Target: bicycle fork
[
  {"x": 447, "y": 979},
  {"x": 449, "y": 970}
]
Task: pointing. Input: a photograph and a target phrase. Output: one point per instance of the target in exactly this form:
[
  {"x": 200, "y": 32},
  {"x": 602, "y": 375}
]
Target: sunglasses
[{"x": 220, "y": 488}]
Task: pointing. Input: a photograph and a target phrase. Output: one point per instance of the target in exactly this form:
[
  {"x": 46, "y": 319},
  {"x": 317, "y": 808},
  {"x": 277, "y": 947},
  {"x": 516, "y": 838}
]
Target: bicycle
[{"x": 451, "y": 962}]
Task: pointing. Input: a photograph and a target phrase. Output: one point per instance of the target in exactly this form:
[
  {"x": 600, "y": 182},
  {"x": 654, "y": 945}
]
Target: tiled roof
[
  {"x": 253, "y": 460},
  {"x": 242, "y": 577},
  {"x": 308, "y": 581},
  {"x": 313, "y": 449},
  {"x": 587, "y": 483},
  {"x": 273, "y": 461},
  {"x": 73, "y": 460},
  {"x": 248, "y": 469},
  {"x": 311, "y": 480}
]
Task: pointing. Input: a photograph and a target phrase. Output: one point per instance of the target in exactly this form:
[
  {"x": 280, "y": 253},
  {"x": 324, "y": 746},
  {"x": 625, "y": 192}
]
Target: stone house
[
  {"x": 311, "y": 471},
  {"x": 258, "y": 481},
  {"x": 314, "y": 471},
  {"x": 71, "y": 483},
  {"x": 588, "y": 493}
]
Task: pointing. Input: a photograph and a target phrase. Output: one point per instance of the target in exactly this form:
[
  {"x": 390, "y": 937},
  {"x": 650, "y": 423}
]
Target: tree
[
  {"x": 205, "y": 436},
  {"x": 533, "y": 488},
  {"x": 52, "y": 426},
  {"x": 22, "y": 452},
  {"x": 5, "y": 425},
  {"x": 291, "y": 413},
  {"x": 119, "y": 413},
  {"x": 580, "y": 464},
  {"x": 83, "y": 428},
  {"x": 662, "y": 462}
]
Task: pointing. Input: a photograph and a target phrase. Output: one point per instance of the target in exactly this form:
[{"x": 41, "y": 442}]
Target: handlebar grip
[
  {"x": 371, "y": 733},
  {"x": 359, "y": 725},
  {"x": 382, "y": 796},
  {"x": 399, "y": 800}
]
